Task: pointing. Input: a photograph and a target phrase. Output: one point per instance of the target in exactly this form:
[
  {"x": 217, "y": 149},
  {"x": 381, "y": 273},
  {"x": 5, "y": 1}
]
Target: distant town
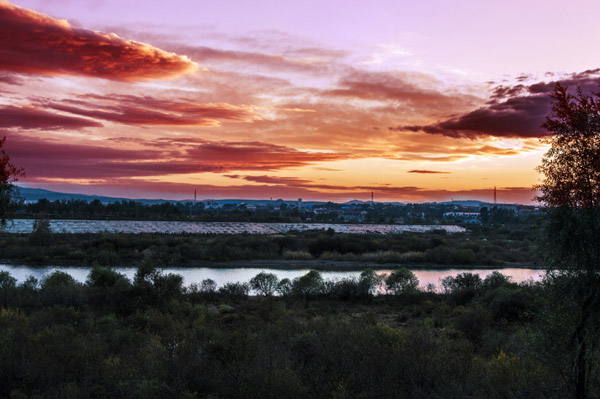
[{"x": 49, "y": 204}]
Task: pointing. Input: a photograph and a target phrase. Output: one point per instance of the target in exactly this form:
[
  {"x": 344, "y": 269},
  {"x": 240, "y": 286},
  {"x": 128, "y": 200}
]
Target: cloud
[
  {"x": 10, "y": 79},
  {"x": 523, "y": 195},
  {"x": 417, "y": 89},
  {"x": 48, "y": 159},
  {"x": 43, "y": 45},
  {"x": 514, "y": 111},
  {"x": 302, "y": 62},
  {"x": 35, "y": 118},
  {"x": 151, "y": 111},
  {"x": 422, "y": 171}
]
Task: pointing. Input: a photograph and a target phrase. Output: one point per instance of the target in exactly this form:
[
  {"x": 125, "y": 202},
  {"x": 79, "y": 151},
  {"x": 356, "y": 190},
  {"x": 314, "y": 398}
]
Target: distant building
[{"x": 465, "y": 217}]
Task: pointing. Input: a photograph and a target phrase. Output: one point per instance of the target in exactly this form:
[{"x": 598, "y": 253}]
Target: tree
[
  {"x": 8, "y": 191},
  {"x": 571, "y": 192},
  {"x": 402, "y": 281},
  {"x": 264, "y": 283}
]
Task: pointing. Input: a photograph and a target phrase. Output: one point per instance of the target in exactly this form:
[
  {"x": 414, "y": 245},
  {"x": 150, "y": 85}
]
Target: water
[
  {"x": 173, "y": 227},
  {"x": 223, "y": 276}
]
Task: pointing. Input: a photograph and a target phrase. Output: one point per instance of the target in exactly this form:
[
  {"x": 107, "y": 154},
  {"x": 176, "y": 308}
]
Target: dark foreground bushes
[{"x": 152, "y": 338}]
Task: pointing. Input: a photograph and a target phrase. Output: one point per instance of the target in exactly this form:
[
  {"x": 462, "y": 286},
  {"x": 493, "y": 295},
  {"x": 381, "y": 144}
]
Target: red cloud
[
  {"x": 35, "y": 43},
  {"x": 46, "y": 159},
  {"x": 144, "y": 110},
  {"x": 36, "y": 118}
]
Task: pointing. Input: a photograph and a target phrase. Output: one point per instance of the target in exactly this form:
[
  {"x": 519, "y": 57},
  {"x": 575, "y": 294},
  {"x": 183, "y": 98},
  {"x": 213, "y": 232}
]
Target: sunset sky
[{"x": 324, "y": 100}]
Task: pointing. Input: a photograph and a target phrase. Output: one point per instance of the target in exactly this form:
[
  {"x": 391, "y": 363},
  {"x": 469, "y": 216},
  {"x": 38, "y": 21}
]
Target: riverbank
[{"x": 314, "y": 264}]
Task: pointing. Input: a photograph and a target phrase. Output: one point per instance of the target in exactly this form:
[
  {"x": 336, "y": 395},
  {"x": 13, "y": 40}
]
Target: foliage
[
  {"x": 402, "y": 281},
  {"x": 41, "y": 233},
  {"x": 264, "y": 283},
  {"x": 482, "y": 246},
  {"x": 112, "y": 337},
  {"x": 571, "y": 191},
  {"x": 9, "y": 174}
]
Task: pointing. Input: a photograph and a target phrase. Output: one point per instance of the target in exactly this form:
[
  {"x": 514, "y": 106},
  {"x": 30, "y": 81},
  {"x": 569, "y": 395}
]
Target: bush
[
  {"x": 401, "y": 281},
  {"x": 236, "y": 290}
]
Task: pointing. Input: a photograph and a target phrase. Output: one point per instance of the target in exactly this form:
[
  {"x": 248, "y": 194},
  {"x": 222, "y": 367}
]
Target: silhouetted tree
[
  {"x": 264, "y": 283},
  {"x": 8, "y": 191},
  {"x": 571, "y": 191}
]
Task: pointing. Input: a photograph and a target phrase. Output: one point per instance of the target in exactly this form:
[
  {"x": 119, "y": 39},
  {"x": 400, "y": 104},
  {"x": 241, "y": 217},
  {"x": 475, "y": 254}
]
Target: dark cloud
[
  {"x": 36, "y": 118},
  {"x": 514, "y": 111},
  {"x": 35, "y": 43}
]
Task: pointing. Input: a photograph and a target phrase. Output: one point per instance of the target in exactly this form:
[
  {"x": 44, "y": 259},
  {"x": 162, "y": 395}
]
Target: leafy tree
[
  {"x": 402, "y": 281},
  {"x": 311, "y": 284},
  {"x": 368, "y": 282},
  {"x": 208, "y": 286},
  {"x": 264, "y": 283},
  {"x": 9, "y": 174},
  {"x": 571, "y": 192}
]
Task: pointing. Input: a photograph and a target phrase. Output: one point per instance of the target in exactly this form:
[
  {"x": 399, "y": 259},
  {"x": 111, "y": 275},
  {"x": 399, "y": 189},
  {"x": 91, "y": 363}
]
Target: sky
[{"x": 321, "y": 100}]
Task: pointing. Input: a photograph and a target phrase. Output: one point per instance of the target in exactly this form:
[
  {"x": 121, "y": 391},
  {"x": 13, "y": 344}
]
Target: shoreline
[{"x": 282, "y": 264}]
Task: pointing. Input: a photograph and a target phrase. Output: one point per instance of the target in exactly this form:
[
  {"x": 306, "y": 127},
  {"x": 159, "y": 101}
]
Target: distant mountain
[{"x": 34, "y": 194}]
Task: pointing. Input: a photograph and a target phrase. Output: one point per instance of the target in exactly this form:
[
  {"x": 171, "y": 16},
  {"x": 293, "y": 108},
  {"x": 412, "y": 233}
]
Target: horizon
[
  {"x": 414, "y": 102},
  {"x": 483, "y": 201}
]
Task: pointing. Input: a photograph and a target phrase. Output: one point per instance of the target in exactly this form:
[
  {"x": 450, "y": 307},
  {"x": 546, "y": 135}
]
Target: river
[
  {"x": 223, "y": 276},
  {"x": 175, "y": 227}
]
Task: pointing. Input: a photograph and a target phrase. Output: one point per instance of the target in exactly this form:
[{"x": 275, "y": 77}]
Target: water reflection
[{"x": 223, "y": 276}]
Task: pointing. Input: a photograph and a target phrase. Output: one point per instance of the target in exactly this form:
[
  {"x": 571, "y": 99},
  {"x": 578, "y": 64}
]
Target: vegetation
[
  {"x": 152, "y": 337},
  {"x": 571, "y": 191},
  {"x": 9, "y": 174},
  {"x": 491, "y": 246}
]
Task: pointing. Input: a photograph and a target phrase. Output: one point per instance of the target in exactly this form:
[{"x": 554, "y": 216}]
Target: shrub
[
  {"x": 235, "y": 289},
  {"x": 401, "y": 281}
]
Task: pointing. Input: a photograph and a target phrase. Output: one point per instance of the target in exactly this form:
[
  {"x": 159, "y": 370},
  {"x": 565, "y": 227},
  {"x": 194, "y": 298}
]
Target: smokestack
[{"x": 494, "y": 195}]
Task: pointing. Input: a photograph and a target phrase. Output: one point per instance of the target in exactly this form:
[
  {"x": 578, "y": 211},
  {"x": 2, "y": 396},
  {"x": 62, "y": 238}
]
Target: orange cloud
[
  {"x": 422, "y": 171},
  {"x": 35, "y": 43}
]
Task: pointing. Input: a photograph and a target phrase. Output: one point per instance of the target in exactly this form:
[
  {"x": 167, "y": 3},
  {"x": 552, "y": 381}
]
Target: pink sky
[{"x": 320, "y": 100}]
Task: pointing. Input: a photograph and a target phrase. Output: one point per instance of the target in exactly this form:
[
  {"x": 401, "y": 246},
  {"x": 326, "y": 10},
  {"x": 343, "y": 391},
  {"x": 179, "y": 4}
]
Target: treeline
[
  {"x": 80, "y": 209},
  {"x": 153, "y": 337},
  {"x": 482, "y": 246}
]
